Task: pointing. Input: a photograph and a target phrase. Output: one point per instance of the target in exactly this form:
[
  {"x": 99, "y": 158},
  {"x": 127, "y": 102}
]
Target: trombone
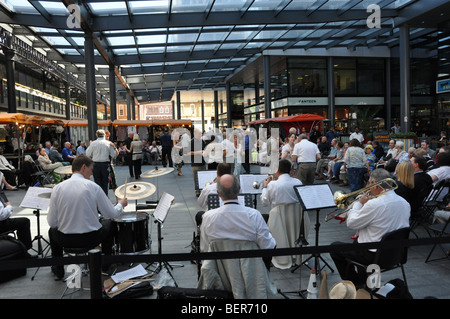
[{"x": 343, "y": 200}]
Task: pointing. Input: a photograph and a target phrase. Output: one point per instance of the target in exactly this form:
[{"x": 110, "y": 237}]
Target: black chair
[
  {"x": 84, "y": 271},
  {"x": 431, "y": 202},
  {"x": 389, "y": 258},
  {"x": 214, "y": 200},
  {"x": 439, "y": 231}
]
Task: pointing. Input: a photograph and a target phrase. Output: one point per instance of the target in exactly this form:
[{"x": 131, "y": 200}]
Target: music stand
[
  {"x": 160, "y": 214},
  {"x": 246, "y": 182},
  {"x": 38, "y": 198},
  {"x": 315, "y": 197}
]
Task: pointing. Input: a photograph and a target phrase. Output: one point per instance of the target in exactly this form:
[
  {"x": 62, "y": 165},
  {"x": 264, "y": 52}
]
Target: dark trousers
[
  {"x": 167, "y": 156},
  {"x": 352, "y": 273},
  {"x": 246, "y": 163},
  {"x": 137, "y": 165},
  {"x": 101, "y": 175},
  {"x": 104, "y": 235},
  {"x": 19, "y": 224},
  {"x": 129, "y": 161},
  {"x": 10, "y": 177}
]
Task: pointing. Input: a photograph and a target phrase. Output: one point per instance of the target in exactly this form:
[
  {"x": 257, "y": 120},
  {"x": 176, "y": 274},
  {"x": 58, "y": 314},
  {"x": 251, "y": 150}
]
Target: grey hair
[
  {"x": 400, "y": 144},
  {"x": 379, "y": 174},
  {"x": 303, "y": 136},
  {"x": 231, "y": 192},
  {"x": 100, "y": 133}
]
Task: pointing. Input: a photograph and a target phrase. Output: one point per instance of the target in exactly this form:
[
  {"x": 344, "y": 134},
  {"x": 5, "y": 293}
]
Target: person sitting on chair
[
  {"x": 73, "y": 213},
  {"x": 21, "y": 225},
  {"x": 374, "y": 215},
  {"x": 55, "y": 156},
  {"x": 232, "y": 220},
  {"x": 286, "y": 215},
  {"x": 45, "y": 161}
]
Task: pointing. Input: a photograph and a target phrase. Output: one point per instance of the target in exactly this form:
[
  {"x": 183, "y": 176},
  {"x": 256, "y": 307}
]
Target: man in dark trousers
[
  {"x": 128, "y": 156},
  {"x": 166, "y": 143}
]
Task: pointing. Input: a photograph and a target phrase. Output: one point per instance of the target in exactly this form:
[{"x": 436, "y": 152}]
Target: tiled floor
[{"x": 424, "y": 279}]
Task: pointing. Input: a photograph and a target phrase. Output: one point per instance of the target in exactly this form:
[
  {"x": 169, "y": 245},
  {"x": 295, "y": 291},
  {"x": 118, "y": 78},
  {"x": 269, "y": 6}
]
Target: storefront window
[
  {"x": 345, "y": 76},
  {"x": 307, "y": 77}
]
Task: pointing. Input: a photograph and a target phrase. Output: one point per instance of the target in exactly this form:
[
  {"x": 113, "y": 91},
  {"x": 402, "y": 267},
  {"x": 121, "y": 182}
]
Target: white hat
[{"x": 343, "y": 290}]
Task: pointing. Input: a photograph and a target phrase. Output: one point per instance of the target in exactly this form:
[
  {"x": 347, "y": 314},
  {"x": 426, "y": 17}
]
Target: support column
[
  {"x": 10, "y": 77},
  {"x": 133, "y": 109},
  {"x": 257, "y": 97},
  {"x": 216, "y": 110},
  {"x": 128, "y": 106},
  {"x": 67, "y": 96},
  {"x": 202, "y": 110},
  {"x": 267, "y": 88},
  {"x": 112, "y": 93},
  {"x": 178, "y": 105},
  {"x": 90, "y": 85},
  {"x": 173, "y": 109},
  {"x": 405, "y": 87},
  {"x": 331, "y": 104},
  {"x": 388, "y": 100},
  {"x": 229, "y": 123}
]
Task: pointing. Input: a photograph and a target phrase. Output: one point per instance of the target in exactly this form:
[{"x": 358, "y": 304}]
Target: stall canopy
[
  {"x": 13, "y": 118},
  {"x": 100, "y": 123},
  {"x": 297, "y": 121}
]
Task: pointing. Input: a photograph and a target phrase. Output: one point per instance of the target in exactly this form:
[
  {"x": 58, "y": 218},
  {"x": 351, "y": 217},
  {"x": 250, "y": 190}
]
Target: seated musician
[
  {"x": 222, "y": 169},
  {"x": 280, "y": 191},
  {"x": 232, "y": 220},
  {"x": 73, "y": 213},
  {"x": 374, "y": 215}
]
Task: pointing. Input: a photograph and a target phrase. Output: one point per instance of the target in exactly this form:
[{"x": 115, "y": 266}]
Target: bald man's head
[{"x": 228, "y": 187}]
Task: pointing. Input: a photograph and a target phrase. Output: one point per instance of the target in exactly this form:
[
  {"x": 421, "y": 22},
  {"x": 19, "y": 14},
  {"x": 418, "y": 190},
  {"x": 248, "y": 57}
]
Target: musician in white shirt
[
  {"x": 280, "y": 191},
  {"x": 232, "y": 220},
  {"x": 73, "y": 213},
  {"x": 373, "y": 217}
]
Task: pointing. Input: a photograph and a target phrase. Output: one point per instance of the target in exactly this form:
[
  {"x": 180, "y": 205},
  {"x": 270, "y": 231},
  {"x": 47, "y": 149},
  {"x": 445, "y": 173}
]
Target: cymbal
[
  {"x": 158, "y": 171},
  {"x": 64, "y": 170},
  {"x": 135, "y": 190}
]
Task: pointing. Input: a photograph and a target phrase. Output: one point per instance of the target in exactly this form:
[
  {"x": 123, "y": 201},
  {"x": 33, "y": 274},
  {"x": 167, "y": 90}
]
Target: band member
[
  {"x": 73, "y": 213},
  {"x": 374, "y": 215}
]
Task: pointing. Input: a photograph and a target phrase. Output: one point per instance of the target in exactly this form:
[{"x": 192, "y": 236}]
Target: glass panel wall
[{"x": 307, "y": 76}]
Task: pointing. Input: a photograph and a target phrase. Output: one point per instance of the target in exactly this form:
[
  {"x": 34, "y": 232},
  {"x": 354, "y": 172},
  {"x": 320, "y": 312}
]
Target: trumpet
[
  {"x": 213, "y": 182},
  {"x": 257, "y": 185},
  {"x": 343, "y": 200}
]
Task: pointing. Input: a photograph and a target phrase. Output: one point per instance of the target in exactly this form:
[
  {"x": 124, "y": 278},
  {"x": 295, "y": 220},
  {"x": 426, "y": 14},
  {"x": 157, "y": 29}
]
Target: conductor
[{"x": 73, "y": 213}]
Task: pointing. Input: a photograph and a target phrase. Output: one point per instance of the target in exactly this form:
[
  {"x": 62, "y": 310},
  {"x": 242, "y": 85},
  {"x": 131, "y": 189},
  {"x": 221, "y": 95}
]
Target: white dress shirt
[
  {"x": 5, "y": 211},
  {"x": 203, "y": 198},
  {"x": 380, "y": 215},
  {"x": 358, "y": 136},
  {"x": 100, "y": 150},
  {"x": 75, "y": 204},
  {"x": 234, "y": 221},
  {"x": 306, "y": 151},
  {"x": 281, "y": 191}
]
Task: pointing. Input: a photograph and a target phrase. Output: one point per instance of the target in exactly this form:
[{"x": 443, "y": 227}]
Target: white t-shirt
[{"x": 306, "y": 151}]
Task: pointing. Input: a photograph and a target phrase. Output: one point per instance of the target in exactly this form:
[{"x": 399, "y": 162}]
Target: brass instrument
[
  {"x": 210, "y": 183},
  {"x": 256, "y": 185},
  {"x": 343, "y": 200}
]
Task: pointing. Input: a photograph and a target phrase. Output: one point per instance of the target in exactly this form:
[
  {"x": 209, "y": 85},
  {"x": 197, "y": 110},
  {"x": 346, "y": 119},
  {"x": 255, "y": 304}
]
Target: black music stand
[
  {"x": 159, "y": 215},
  {"x": 315, "y": 197}
]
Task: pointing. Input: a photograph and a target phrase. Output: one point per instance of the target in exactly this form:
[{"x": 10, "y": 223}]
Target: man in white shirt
[
  {"x": 232, "y": 220},
  {"x": 356, "y": 134},
  {"x": 73, "y": 213},
  {"x": 306, "y": 154},
  {"x": 373, "y": 217},
  {"x": 101, "y": 150},
  {"x": 280, "y": 191},
  {"x": 222, "y": 169},
  {"x": 7, "y": 169}
]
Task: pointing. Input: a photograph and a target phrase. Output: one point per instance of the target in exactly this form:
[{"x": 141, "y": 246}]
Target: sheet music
[
  {"x": 162, "y": 209},
  {"x": 134, "y": 272},
  {"x": 37, "y": 198},
  {"x": 247, "y": 180},
  {"x": 241, "y": 200},
  {"x": 316, "y": 196},
  {"x": 205, "y": 177}
]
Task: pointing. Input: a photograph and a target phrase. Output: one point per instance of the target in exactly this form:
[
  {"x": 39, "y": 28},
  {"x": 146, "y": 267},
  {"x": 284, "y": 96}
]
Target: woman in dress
[
  {"x": 136, "y": 155},
  {"x": 177, "y": 151}
]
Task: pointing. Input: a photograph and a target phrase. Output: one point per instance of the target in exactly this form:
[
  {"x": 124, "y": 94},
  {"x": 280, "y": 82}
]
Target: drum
[{"x": 131, "y": 233}]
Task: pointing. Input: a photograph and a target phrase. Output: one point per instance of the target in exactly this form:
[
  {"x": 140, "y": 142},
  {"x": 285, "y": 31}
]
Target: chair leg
[{"x": 404, "y": 276}]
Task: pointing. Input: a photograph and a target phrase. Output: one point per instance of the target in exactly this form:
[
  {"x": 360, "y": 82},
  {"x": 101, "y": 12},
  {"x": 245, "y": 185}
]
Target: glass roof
[{"x": 187, "y": 39}]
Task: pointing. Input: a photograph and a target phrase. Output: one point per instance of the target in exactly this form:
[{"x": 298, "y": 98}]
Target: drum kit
[{"x": 132, "y": 230}]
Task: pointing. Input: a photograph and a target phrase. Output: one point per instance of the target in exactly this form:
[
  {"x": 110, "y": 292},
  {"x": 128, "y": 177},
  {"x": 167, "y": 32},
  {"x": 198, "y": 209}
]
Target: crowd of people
[{"x": 297, "y": 160}]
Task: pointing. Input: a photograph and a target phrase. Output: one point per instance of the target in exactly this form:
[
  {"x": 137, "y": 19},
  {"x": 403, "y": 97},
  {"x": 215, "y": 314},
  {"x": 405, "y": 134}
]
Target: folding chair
[
  {"x": 42, "y": 176},
  {"x": 439, "y": 231},
  {"x": 389, "y": 258},
  {"x": 214, "y": 200}
]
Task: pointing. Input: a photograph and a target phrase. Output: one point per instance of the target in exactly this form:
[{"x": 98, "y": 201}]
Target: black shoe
[{"x": 58, "y": 271}]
